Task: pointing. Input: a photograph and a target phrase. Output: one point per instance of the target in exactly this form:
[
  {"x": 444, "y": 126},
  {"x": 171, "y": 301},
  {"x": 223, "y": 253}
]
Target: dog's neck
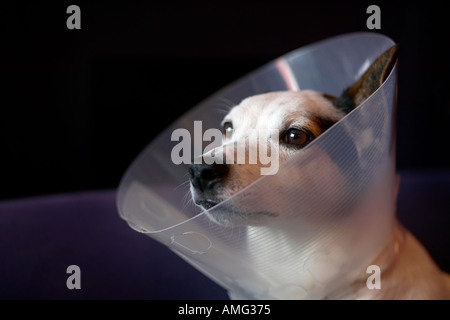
[
  {"x": 330, "y": 269},
  {"x": 407, "y": 272},
  {"x": 386, "y": 261},
  {"x": 298, "y": 260},
  {"x": 324, "y": 273}
]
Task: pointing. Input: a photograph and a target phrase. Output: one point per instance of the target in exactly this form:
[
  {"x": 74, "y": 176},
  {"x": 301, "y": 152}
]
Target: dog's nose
[{"x": 205, "y": 176}]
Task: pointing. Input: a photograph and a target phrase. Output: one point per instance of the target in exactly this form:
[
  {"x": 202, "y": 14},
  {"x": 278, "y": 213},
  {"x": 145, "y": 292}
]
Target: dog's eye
[
  {"x": 227, "y": 128},
  {"x": 296, "y": 138}
]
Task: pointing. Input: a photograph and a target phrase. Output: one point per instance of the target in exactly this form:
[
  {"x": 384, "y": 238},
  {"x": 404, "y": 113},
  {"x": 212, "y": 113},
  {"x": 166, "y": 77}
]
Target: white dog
[{"x": 408, "y": 272}]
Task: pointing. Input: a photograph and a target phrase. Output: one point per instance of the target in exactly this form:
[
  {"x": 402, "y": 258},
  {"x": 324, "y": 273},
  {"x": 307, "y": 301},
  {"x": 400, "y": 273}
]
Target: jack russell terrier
[{"x": 301, "y": 116}]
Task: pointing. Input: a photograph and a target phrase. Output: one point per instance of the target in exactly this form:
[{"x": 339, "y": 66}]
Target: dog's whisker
[
  {"x": 227, "y": 102},
  {"x": 221, "y": 110},
  {"x": 181, "y": 185},
  {"x": 187, "y": 201},
  {"x": 224, "y": 106}
]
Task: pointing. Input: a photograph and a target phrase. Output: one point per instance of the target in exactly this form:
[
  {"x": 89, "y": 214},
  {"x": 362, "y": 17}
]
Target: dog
[{"x": 408, "y": 272}]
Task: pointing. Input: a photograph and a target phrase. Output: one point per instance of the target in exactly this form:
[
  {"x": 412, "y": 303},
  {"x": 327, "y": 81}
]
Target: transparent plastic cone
[{"x": 336, "y": 197}]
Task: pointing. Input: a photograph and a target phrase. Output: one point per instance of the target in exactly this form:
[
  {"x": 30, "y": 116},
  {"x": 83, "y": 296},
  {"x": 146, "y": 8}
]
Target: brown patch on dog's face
[{"x": 298, "y": 116}]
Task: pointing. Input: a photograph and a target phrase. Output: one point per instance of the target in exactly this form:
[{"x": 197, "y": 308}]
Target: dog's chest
[{"x": 291, "y": 267}]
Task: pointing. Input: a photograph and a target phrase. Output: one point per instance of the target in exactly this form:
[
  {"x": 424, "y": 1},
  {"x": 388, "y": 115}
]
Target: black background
[{"x": 77, "y": 106}]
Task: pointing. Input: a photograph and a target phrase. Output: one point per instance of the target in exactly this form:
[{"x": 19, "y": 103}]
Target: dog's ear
[{"x": 372, "y": 78}]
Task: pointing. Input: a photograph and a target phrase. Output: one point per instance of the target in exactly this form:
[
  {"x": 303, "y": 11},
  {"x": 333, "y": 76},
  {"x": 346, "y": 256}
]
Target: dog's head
[{"x": 296, "y": 118}]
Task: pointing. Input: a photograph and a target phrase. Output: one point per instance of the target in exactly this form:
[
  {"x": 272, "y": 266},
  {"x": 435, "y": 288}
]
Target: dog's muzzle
[{"x": 204, "y": 177}]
